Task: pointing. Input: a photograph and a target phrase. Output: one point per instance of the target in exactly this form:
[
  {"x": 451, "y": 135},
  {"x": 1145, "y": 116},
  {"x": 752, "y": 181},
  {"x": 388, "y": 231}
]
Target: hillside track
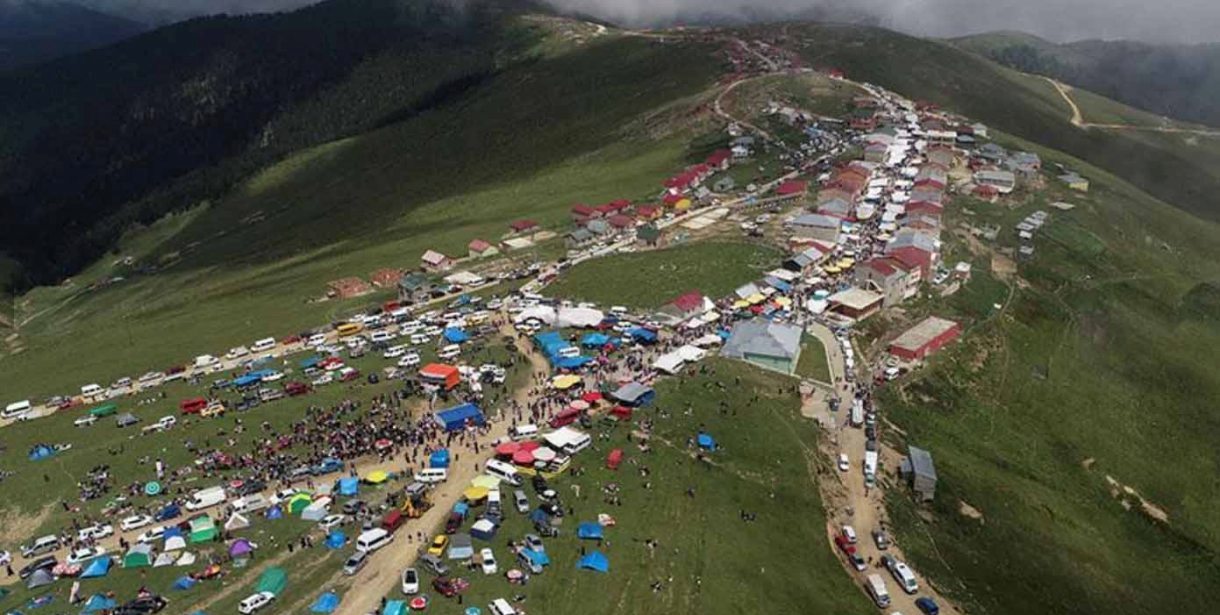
[{"x": 1077, "y": 119}]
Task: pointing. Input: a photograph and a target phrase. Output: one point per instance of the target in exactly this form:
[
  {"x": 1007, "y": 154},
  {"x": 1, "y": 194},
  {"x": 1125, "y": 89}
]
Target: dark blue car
[{"x": 927, "y": 605}]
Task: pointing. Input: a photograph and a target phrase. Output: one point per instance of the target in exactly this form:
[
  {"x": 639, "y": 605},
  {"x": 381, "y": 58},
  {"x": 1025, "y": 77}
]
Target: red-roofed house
[
  {"x": 479, "y": 248},
  {"x": 621, "y": 221},
  {"x": 522, "y": 226},
  {"x": 435, "y": 261},
  {"x": 719, "y": 159},
  {"x": 910, "y": 257},
  {"x": 986, "y": 192},
  {"x": 582, "y": 212},
  {"x": 671, "y": 198},
  {"x": 930, "y": 182},
  {"x": 924, "y": 207},
  {"x": 685, "y": 306},
  {"x": 792, "y": 189},
  {"x": 648, "y": 212}
]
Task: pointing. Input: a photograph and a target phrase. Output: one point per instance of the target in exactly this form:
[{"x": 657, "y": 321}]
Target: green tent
[
  {"x": 203, "y": 529},
  {"x": 104, "y": 410},
  {"x": 138, "y": 556},
  {"x": 273, "y": 580},
  {"x": 299, "y": 502}
]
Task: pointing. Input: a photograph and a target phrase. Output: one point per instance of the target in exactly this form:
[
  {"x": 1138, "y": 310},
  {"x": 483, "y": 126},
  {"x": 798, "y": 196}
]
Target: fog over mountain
[{"x": 1061, "y": 20}]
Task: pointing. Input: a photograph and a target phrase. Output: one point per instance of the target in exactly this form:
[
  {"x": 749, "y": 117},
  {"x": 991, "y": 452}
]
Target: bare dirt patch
[
  {"x": 1130, "y": 499},
  {"x": 967, "y": 510},
  {"x": 18, "y": 526}
]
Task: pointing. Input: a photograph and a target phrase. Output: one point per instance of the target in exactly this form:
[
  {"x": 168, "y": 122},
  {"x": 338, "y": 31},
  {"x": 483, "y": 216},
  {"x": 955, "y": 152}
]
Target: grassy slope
[
  {"x": 650, "y": 279},
  {"x": 1128, "y": 383},
  {"x": 1016, "y": 103},
  {"x": 528, "y": 146}
]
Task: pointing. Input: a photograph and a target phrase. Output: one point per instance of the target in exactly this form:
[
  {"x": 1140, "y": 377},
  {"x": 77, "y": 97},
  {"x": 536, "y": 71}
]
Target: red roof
[
  {"x": 986, "y": 190},
  {"x": 924, "y": 207},
  {"x": 718, "y": 157},
  {"x": 647, "y": 211},
  {"x": 619, "y": 204},
  {"x": 792, "y": 186},
  {"x": 621, "y": 221},
  {"x": 912, "y": 258},
  {"x": 478, "y": 245},
  {"x": 671, "y": 198},
  {"x": 581, "y": 209},
  {"x": 438, "y": 370},
  {"x": 881, "y": 265},
  {"x": 929, "y": 181},
  {"x": 522, "y": 225},
  {"x": 689, "y": 301}
]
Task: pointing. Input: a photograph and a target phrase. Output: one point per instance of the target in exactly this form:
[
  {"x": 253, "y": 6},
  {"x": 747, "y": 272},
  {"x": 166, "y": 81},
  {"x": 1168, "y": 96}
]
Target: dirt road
[{"x": 1077, "y": 119}]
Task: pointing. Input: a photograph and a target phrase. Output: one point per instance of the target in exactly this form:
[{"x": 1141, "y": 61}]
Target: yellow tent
[
  {"x": 376, "y": 477},
  {"x": 485, "y": 481},
  {"x": 741, "y": 304},
  {"x": 847, "y": 263},
  {"x": 756, "y": 298},
  {"x": 682, "y": 204},
  {"x": 565, "y": 382},
  {"x": 783, "y": 302},
  {"x": 475, "y": 494},
  {"x": 832, "y": 269}
]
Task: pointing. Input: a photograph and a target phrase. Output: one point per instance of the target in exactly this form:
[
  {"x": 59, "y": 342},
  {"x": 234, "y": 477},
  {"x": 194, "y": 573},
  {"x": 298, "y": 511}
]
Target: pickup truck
[{"x": 164, "y": 423}]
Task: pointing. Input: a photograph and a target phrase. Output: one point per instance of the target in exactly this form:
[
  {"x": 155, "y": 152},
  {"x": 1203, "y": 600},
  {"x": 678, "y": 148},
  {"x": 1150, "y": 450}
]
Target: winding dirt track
[{"x": 1077, "y": 119}]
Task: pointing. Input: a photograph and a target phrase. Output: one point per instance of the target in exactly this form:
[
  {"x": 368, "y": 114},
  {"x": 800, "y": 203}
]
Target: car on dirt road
[
  {"x": 927, "y": 606},
  {"x": 80, "y": 556},
  {"x": 330, "y": 522},
  {"x": 881, "y": 539},
  {"x": 95, "y": 532},
  {"x": 410, "y": 581},
  {"x": 844, "y": 463},
  {"x": 134, "y": 522},
  {"x": 355, "y": 562},
  {"x": 438, "y": 545},
  {"x": 255, "y": 602}
]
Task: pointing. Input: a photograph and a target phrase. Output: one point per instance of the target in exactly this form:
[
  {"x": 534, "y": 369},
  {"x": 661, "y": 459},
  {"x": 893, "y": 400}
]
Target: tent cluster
[{"x": 560, "y": 353}]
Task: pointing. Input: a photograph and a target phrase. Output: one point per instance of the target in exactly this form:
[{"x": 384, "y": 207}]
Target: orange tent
[{"x": 440, "y": 374}]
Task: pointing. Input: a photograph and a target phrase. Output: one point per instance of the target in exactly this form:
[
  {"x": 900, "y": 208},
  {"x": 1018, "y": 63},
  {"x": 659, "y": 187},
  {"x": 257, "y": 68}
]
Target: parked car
[
  {"x": 85, "y": 421},
  {"x": 85, "y": 554},
  {"x": 438, "y": 545},
  {"x": 534, "y": 543},
  {"x": 151, "y": 535},
  {"x": 849, "y": 533},
  {"x": 255, "y": 602},
  {"x": 38, "y": 564},
  {"x": 95, "y": 532},
  {"x": 410, "y": 581},
  {"x": 927, "y": 606},
  {"x": 881, "y": 539},
  {"x": 449, "y": 586},
  {"x": 844, "y": 463},
  {"x": 433, "y": 564},
  {"x": 144, "y": 605},
  {"x": 330, "y": 522},
  {"x": 135, "y": 522},
  {"x": 521, "y": 501},
  {"x": 355, "y": 562},
  {"x": 489, "y": 561}
]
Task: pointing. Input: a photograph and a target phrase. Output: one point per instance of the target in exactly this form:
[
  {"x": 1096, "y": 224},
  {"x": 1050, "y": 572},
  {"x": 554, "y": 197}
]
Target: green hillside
[{"x": 1015, "y": 103}]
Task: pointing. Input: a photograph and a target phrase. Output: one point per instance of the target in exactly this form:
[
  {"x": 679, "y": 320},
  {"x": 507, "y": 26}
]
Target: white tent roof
[
  {"x": 669, "y": 363},
  {"x": 164, "y": 559},
  {"x": 579, "y": 317},
  {"x": 544, "y": 313},
  {"x": 237, "y": 522},
  {"x": 562, "y": 437},
  {"x": 692, "y": 353},
  {"x": 173, "y": 543},
  {"x": 710, "y": 339},
  {"x": 186, "y": 559}
]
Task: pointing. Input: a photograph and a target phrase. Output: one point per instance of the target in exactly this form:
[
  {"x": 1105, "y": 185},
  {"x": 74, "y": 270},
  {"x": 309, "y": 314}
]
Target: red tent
[
  {"x": 614, "y": 459},
  {"x": 506, "y": 449},
  {"x": 523, "y": 457},
  {"x": 529, "y": 446},
  {"x": 622, "y": 413},
  {"x": 591, "y": 396}
]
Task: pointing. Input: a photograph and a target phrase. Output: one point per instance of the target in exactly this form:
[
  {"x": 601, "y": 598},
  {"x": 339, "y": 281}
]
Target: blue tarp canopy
[
  {"x": 455, "y": 419},
  {"x": 642, "y": 335},
  {"x": 99, "y": 602},
  {"x": 246, "y": 380},
  {"x": 594, "y": 340},
  {"x": 184, "y": 583},
  {"x": 439, "y": 458},
  {"x": 275, "y": 512},
  {"x": 454, "y": 335},
  {"x": 40, "y": 452},
  {"x": 570, "y": 362},
  {"x": 97, "y": 567},
  {"x": 539, "y": 515},
  {"x": 538, "y": 557},
  {"x": 336, "y": 539},
  {"x": 595, "y": 561},
  {"x": 778, "y": 284},
  {"x": 589, "y": 530},
  {"x": 461, "y": 508},
  {"x": 172, "y": 531},
  {"x": 349, "y": 485},
  {"x": 310, "y": 362},
  {"x": 552, "y": 343},
  {"x": 326, "y": 603},
  {"x": 706, "y": 441},
  {"x": 394, "y": 607}
]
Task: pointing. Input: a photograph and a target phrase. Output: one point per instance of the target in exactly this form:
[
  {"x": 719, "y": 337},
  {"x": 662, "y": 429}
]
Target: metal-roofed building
[{"x": 774, "y": 346}]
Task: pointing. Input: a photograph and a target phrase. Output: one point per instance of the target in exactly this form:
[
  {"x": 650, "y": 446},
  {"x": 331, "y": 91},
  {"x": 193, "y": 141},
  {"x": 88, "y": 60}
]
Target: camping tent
[
  {"x": 439, "y": 458},
  {"x": 376, "y": 477},
  {"x": 565, "y": 381},
  {"x": 317, "y": 510},
  {"x": 483, "y": 529},
  {"x": 273, "y": 580},
  {"x": 461, "y": 546},
  {"x": 125, "y": 419},
  {"x": 454, "y": 335},
  {"x": 336, "y": 539},
  {"x": 275, "y": 512},
  {"x": 298, "y": 502},
  {"x": 394, "y": 607},
  {"x": 97, "y": 567},
  {"x": 98, "y": 603},
  {"x": 589, "y": 530},
  {"x": 614, "y": 458},
  {"x": 594, "y": 340},
  {"x": 237, "y": 522},
  {"x": 456, "y": 418},
  {"x": 165, "y": 559},
  {"x": 203, "y": 529},
  {"x": 349, "y": 486},
  {"x": 186, "y": 559},
  {"x": 41, "y": 577},
  {"x": 138, "y": 556},
  {"x": 241, "y": 547},
  {"x": 326, "y": 603},
  {"x": 642, "y": 335},
  {"x": 184, "y": 583},
  {"x": 175, "y": 543},
  {"x": 40, "y": 452},
  {"x": 538, "y": 557},
  {"x": 595, "y": 561},
  {"x": 706, "y": 441}
]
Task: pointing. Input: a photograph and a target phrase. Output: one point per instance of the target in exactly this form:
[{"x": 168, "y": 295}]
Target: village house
[
  {"x": 581, "y": 213},
  {"x": 1075, "y": 182},
  {"x": 855, "y": 303},
  {"x": 414, "y": 287},
  {"x": 793, "y": 189},
  {"x": 479, "y": 248},
  {"x": 686, "y": 305},
  {"x": 648, "y": 212},
  {"x": 522, "y": 226},
  {"x": 346, "y": 288},
  {"x": 599, "y": 227},
  {"x": 434, "y": 261},
  {"x": 925, "y": 338},
  {"x": 984, "y": 192},
  {"x": 992, "y": 153},
  {"x": 724, "y": 184},
  {"x": 838, "y": 208},
  {"x": 649, "y": 235},
  {"x": 1003, "y": 181},
  {"x": 621, "y": 222},
  {"x": 1024, "y": 164},
  {"x": 884, "y": 276},
  {"x": 816, "y": 226},
  {"x": 804, "y": 260},
  {"x": 919, "y": 471},
  {"x": 720, "y": 159},
  {"x": 774, "y": 346},
  {"x": 579, "y": 238}
]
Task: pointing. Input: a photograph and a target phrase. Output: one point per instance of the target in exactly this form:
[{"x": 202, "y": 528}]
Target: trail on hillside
[{"x": 1078, "y": 119}]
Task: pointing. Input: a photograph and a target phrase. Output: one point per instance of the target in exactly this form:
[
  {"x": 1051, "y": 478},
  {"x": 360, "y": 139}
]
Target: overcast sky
[{"x": 1155, "y": 20}]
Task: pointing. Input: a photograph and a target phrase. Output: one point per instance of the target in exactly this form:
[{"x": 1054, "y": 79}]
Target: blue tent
[
  {"x": 454, "y": 335},
  {"x": 724, "y": 334},
  {"x": 538, "y": 515},
  {"x": 172, "y": 531},
  {"x": 326, "y": 603},
  {"x": 778, "y": 284},
  {"x": 589, "y": 530},
  {"x": 310, "y": 362},
  {"x": 595, "y": 561},
  {"x": 455, "y": 419},
  {"x": 99, "y": 602},
  {"x": 394, "y": 607},
  {"x": 275, "y": 512},
  {"x": 642, "y": 335},
  {"x": 439, "y": 458},
  {"x": 97, "y": 567},
  {"x": 171, "y": 511},
  {"x": 40, "y": 452},
  {"x": 571, "y": 362},
  {"x": 594, "y": 340},
  {"x": 336, "y": 539},
  {"x": 184, "y": 583},
  {"x": 538, "y": 557},
  {"x": 246, "y": 380},
  {"x": 706, "y": 441},
  {"x": 461, "y": 508},
  {"x": 349, "y": 485}
]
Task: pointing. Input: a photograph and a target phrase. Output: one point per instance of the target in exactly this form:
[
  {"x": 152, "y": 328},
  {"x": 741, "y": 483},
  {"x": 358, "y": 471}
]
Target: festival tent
[
  {"x": 589, "y": 530},
  {"x": 614, "y": 459},
  {"x": 273, "y": 580},
  {"x": 461, "y": 508},
  {"x": 594, "y": 340},
  {"x": 461, "y": 547},
  {"x": 571, "y": 362},
  {"x": 642, "y": 335},
  {"x": 275, "y": 512},
  {"x": 184, "y": 583},
  {"x": 394, "y": 607},
  {"x": 545, "y": 454},
  {"x": 138, "y": 556},
  {"x": 706, "y": 441},
  {"x": 376, "y": 477},
  {"x": 565, "y": 382},
  {"x": 299, "y": 502},
  {"x": 523, "y": 457},
  {"x": 456, "y": 418},
  {"x": 486, "y": 481},
  {"x": 186, "y": 559},
  {"x": 578, "y": 317},
  {"x": 336, "y": 539},
  {"x": 165, "y": 559},
  {"x": 349, "y": 486},
  {"x": 634, "y": 394},
  {"x": 483, "y": 529},
  {"x": 690, "y": 353},
  {"x": 41, "y": 577},
  {"x": 317, "y": 510},
  {"x": 40, "y": 452},
  {"x": 326, "y": 603},
  {"x": 237, "y": 522},
  {"x": 203, "y": 529},
  {"x": 670, "y": 363},
  {"x": 538, "y": 557},
  {"x": 175, "y": 543},
  {"x": 595, "y": 561},
  {"x": 439, "y": 458},
  {"x": 454, "y": 335},
  {"x": 542, "y": 313},
  {"x": 506, "y": 449},
  {"x": 98, "y": 603},
  {"x": 475, "y": 494},
  {"x": 622, "y": 413},
  {"x": 240, "y": 547},
  {"x": 98, "y": 567}
]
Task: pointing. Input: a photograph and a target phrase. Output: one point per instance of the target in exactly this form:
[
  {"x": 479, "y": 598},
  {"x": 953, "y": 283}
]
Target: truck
[
  {"x": 870, "y": 467},
  {"x": 877, "y": 591},
  {"x": 857, "y": 412}
]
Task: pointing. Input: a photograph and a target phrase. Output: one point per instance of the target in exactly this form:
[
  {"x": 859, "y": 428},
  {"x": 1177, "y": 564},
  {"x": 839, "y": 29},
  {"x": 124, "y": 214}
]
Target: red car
[
  {"x": 453, "y": 523},
  {"x": 295, "y": 388},
  {"x": 844, "y": 545},
  {"x": 194, "y": 405},
  {"x": 450, "y": 587}
]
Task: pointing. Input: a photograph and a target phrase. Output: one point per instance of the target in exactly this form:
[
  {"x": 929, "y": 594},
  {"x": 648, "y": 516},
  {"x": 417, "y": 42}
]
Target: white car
[
  {"x": 151, "y": 379},
  {"x": 393, "y": 352},
  {"x": 166, "y": 422},
  {"x": 282, "y": 495},
  {"x": 849, "y": 533},
  {"x": 151, "y": 535},
  {"x": 410, "y": 582},
  {"x": 330, "y": 522},
  {"x": 237, "y": 352},
  {"x": 323, "y": 380},
  {"x": 255, "y": 602},
  {"x": 316, "y": 340},
  {"x": 81, "y": 556},
  {"x": 273, "y": 376},
  {"x": 409, "y": 360},
  {"x": 101, "y": 530},
  {"x": 844, "y": 464},
  {"x": 381, "y": 336},
  {"x": 134, "y": 522},
  {"x": 489, "y": 561},
  {"x": 85, "y": 421}
]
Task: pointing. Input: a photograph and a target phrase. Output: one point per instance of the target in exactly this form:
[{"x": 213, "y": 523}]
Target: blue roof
[
  {"x": 456, "y": 418},
  {"x": 98, "y": 567},
  {"x": 706, "y": 441},
  {"x": 595, "y": 340},
  {"x": 99, "y": 602},
  {"x": 589, "y": 530},
  {"x": 310, "y": 362},
  {"x": 246, "y": 380},
  {"x": 455, "y": 335},
  {"x": 349, "y": 485},
  {"x": 538, "y": 557},
  {"x": 336, "y": 539},
  {"x": 461, "y": 508},
  {"x": 643, "y": 335},
  {"x": 595, "y": 561}
]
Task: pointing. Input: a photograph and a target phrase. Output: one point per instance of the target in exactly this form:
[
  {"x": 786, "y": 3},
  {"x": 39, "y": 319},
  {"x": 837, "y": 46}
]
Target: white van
[
  {"x": 503, "y": 471},
  {"x": 263, "y": 345},
  {"x": 902, "y": 573},
  {"x": 204, "y": 361},
  {"x": 16, "y": 410},
  {"x": 373, "y": 539},
  {"x": 206, "y": 497},
  {"x": 878, "y": 592},
  {"x": 46, "y": 544},
  {"x": 250, "y": 503},
  {"x": 91, "y": 390},
  {"x": 500, "y": 606},
  {"x": 493, "y": 497},
  {"x": 523, "y": 432},
  {"x": 432, "y": 475},
  {"x": 449, "y": 352}
]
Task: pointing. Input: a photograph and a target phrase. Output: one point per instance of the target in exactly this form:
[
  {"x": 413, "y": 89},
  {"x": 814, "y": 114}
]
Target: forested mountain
[
  {"x": 93, "y": 142},
  {"x": 34, "y": 31},
  {"x": 1179, "y": 81}
]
